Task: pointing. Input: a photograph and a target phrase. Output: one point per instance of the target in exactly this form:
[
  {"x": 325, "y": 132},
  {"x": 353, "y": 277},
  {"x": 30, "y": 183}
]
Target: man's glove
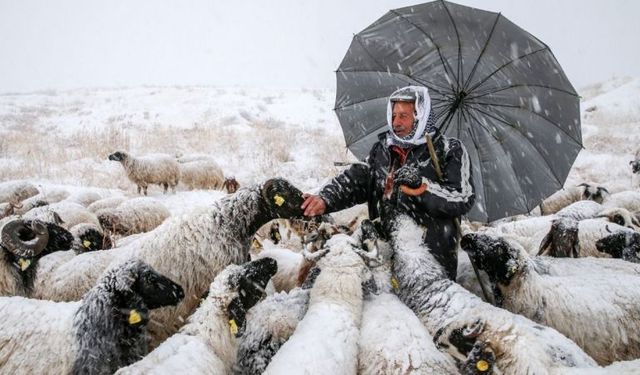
[{"x": 408, "y": 176}]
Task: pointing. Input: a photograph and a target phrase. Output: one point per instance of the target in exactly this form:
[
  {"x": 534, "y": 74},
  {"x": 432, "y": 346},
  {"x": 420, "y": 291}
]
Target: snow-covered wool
[
  {"x": 392, "y": 339},
  {"x": 565, "y": 197},
  {"x": 629, "y": 199},
  {"x": 571, "y": 238},
  {"x": 16, "y": 191},
  {"x": 325, "y": 341},
  {"x": 201, "y": 174},
  {"x": 41, "y": 199},
  {"x": 85, "y": 198},
  {"x": 110, "y": 202},
  {"x": 151, "y": 169},
  {"x": 464, "y": 325},
  {"x": 289, "y": 266},
  {"x": 137, "y": 215},
  {"x": 581, "y": 210},
  {"x": 64, "y": 213},
  {"x": 597, "y": 310},
  {"x": 104, "y": 331},
  {"x": 192, "y": 249},
  {"x": 207, "y": 344}
]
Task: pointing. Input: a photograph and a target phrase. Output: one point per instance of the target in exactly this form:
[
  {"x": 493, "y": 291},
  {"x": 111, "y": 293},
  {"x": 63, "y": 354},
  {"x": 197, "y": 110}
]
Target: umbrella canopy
[{"x": 493, "y": 85}]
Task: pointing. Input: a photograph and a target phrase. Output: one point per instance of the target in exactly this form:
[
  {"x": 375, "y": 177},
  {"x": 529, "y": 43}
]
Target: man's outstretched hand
[
  {"x": 313, "y": 205},
  {"x": 408, "y": 176}
]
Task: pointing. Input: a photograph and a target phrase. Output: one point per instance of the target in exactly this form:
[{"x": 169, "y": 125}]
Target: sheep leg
[
  {"x": 139, "y": 188},
  {"x": 166, "y": 187}
]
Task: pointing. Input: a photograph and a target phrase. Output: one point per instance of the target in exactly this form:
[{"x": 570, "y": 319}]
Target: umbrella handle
[{"x": 413, "y": 192}]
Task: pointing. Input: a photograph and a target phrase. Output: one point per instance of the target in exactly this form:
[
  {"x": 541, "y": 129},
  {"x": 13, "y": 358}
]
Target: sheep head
[
  {"x": 562, "y": 240},
  {"x": 498, "y": 258},
  {"x": 594, "y": 193},
  {"x": 620, "y": 216},
  {"x": 231, "y": 185},
  {"x": 480, "y": 360},
  {"x": 621, "y": 244},
  {"x": 249, "y": 280},
  {"x": 25, "y": 240},
  {"x": 635, "y": 166},
  {"x": 119, "y": 156},
  {"x": 283, "y": 200},
  {"x": 152, "y": 289}
]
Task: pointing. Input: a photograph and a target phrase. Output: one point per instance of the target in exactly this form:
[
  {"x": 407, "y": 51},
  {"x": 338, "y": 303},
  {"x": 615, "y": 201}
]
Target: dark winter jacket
[{"x": 435, "y": 209}]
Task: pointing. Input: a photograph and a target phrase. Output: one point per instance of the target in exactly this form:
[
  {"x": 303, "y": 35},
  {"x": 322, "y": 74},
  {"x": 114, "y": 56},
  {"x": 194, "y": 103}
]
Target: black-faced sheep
[
  {"x": 153, "y": 169},
  {"x": 133, "y": 216},
  {"x": 597, "y": 309},
  {"x": 622, "y": 245},
  {"x": 110, "y": 202},
  {"x": 565, "y": 197},
  {"x": 191, "y": 249},
  {"x": 206, "y": 344},
  {"x": 476, "y": 333},
  {"x": 104, "y": 331}
]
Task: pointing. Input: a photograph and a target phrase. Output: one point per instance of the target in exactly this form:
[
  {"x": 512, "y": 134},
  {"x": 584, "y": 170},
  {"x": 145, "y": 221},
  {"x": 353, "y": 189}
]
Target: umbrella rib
[
  {"x": 445, "y": 63},
  {"x": 484, "y": 48},
  {"x": 455, "y": 28},
  {"x": 498, "y": 89},
  {"x": 556, "y": 125},
  {"x": 505, "y": 65},
  {"x": 525, "y": 137},
  {"x": 370, "y": 99}
]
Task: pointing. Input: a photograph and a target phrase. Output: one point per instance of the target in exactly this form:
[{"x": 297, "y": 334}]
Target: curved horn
[
  {"x": 313, "y": 257},
  {"x": 11, "y": 238}
]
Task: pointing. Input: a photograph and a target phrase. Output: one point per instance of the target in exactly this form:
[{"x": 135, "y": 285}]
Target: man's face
[{"x": 402, "y": 118}]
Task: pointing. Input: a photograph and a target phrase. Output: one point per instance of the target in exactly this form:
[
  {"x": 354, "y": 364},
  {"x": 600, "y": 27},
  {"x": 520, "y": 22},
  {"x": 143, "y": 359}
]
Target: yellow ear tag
[
  {"x": 24, "y": 264},
  {"x": 86, "y": 243},
  {"x": 277, "y": 235},
  {"x": 233, "y": 327},
  {"x": 134, "y": 317},
  {"x": 394, "y": 283},
  {"x": 482, "y": 365},
  {"x": 278, "y": 200}
]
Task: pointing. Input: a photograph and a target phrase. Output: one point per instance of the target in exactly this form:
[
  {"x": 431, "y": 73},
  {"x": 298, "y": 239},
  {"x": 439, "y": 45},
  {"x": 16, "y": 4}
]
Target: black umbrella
[{"x": 493, "y": 85}]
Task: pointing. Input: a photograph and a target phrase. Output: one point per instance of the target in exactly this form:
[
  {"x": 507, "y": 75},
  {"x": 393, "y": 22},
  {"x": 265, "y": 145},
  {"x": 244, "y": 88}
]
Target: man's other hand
[
  {"x": 408, "y": 176},
  {"x": 313, "y": 205}
]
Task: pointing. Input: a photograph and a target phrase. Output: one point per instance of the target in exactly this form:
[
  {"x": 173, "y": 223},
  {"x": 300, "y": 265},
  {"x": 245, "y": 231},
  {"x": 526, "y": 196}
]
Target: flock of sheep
[{"x": 246, "y": 285}]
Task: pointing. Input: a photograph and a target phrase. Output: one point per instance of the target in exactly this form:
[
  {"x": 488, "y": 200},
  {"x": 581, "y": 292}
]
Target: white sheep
[
  {"x": 41, "y": 199},
  {"x": 151, "y": 169},
  {"x": 206, "y": 344},
  {"x": 203, "y": 173},
  {"x": 104, "y": 331},
  {"x": 328, "y": 333},
  {"x": 597, "y": 309},
  {"x": 110, "y": 202},
  {"x": 16, "y": 190},
  {"x": 481, "y": 336},
  {"x": 392, "y": 339},
  {"x": 565, "y": 197},
  {"x": 191, "y": 249},
  {"x": 64, "y": 213},
  {"x": 629, "y": 199},
  {"x": 137, "y": 215},
  {"x": 289, "y": 265}
]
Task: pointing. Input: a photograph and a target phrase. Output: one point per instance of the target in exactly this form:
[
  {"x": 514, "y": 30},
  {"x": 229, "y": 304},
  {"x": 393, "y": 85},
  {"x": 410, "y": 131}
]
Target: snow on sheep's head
[
  {"x": 562, "y": 239},
  {"x": 622, "y": 244},
  {"x": 498, "y": 258},
  {"x": 283, "y": 200},
  {"x": 247, "y": 284},
  {"x": 594, "y": 193}
]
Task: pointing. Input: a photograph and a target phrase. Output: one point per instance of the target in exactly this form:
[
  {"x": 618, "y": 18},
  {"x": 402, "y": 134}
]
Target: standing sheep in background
[
  {"x": 192, "y": 249},
  {"x": 565, "y": 197},
  {"x": 201, "y": 173},
  {"x": 137, "y": 215},
  {"x": 596, "y": 309},
  {"x": 479, "y": 335},
  {"x": 98, "y": 335},
  {"x": 153, "y": 169},
  {"x": 629, "y": 199},
  {"x": 635, "y": 171},
  {"x": 206, "y": 344},
  {"x": 110, "y": 202}
]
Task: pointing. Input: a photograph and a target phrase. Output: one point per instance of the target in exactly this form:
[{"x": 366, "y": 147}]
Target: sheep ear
[
  {"x": 254, "y": 280},
  {"x": 546, "y": 244},
  {"x": 283, "y": 198},
  {"x": 237, "y": 317},
  {"x": 155, "y": 289}
]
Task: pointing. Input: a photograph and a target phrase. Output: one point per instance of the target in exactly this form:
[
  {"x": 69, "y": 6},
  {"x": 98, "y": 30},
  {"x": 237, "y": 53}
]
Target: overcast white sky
[{"x": 61, "y": 44}]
